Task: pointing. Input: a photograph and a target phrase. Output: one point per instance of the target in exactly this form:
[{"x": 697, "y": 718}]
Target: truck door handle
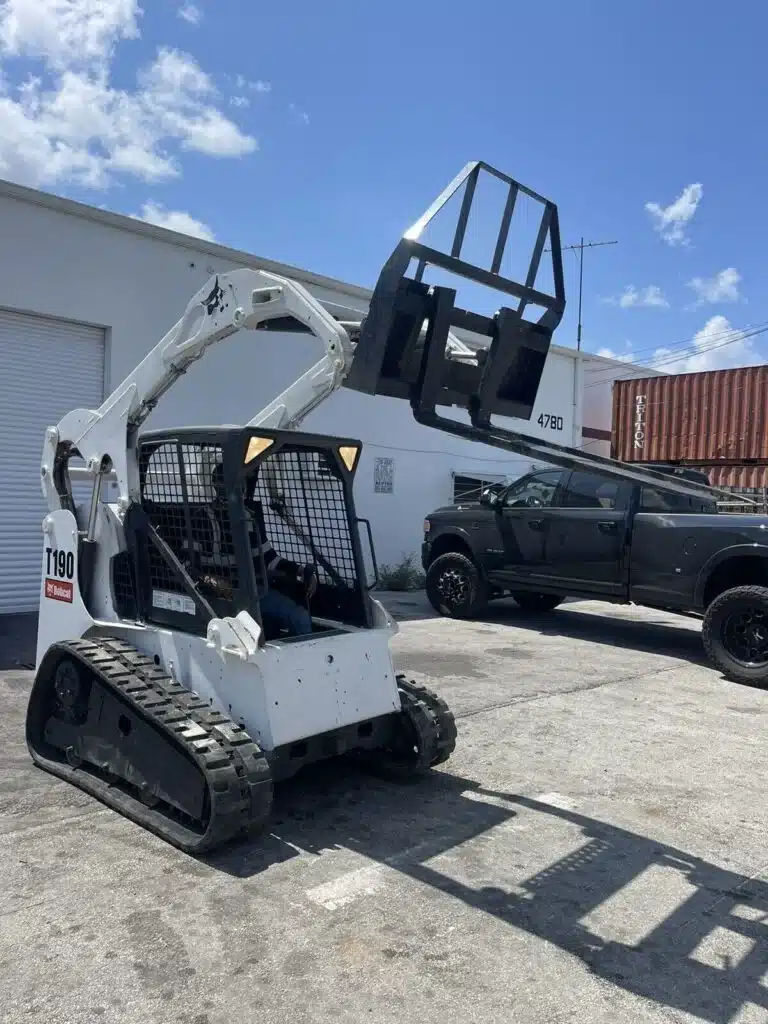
[
  {"x": 607, "y": 527},
  {"x": 536, "y": 524}
]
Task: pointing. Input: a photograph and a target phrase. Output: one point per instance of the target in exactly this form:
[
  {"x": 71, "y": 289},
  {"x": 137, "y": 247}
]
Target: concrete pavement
[{"x": 595, "y": 851}]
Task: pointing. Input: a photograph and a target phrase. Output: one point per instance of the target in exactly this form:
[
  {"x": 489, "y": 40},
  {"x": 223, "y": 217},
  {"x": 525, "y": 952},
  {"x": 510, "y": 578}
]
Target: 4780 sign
[
  {"x": 59, "y": 572},
  {"x": 552, "y": 422}
]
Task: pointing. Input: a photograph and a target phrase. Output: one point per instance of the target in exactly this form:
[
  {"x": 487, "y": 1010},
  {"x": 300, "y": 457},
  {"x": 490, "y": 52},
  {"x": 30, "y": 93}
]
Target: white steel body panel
[{"x": 282, "y": 692}]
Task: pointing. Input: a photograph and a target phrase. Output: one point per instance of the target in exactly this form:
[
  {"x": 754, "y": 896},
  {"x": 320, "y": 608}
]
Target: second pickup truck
[{"x": 559, "y": 533}]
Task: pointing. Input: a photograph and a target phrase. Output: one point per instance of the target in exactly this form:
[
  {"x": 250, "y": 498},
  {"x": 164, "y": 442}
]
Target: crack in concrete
[{"x": 541, "y": 695}]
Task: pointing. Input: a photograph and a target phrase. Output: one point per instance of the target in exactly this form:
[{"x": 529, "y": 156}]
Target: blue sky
[{"x": 315, "y": 134}]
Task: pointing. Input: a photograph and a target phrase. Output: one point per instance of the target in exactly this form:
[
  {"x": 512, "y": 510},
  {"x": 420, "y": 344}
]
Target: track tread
[
  {"x": 434, "y": 725},
  {"x": 445, "y": 742},
  {"x": 234, "y": 767}
]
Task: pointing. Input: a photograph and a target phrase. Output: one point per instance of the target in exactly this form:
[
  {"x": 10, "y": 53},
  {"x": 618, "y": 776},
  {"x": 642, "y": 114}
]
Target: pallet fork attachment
[
  {"x": 395, "y": 356},
  {"x": 403, "y": 349}
]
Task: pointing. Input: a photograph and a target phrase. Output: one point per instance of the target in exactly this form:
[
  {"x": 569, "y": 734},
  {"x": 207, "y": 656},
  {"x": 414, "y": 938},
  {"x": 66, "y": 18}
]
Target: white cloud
[
  {"x": 173, "y": 74},
  {"x": 723, "y": 287},
  {"x": 175, "y": 220},
  {"x": 624, "y": 357},
  {"x": 239, "y": 101},
  {"x": 652, "y": 295},
  {"x": 77, "y": 127},
  {"x": 190, "y": 13},
  {"x": 670, "y": 221},
  {"x": 258, "y": 86},
  {"x": 66, "y": 33},
  {"x": 716, "y": 346}
]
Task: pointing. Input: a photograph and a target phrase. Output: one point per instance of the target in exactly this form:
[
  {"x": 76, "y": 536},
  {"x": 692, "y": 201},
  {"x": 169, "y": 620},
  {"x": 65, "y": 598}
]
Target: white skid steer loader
[{"x": 165, "y": 684}]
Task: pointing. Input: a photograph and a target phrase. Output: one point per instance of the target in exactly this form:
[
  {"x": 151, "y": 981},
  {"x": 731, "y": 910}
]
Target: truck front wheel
[
  {"x": 735, "y": 634},
  {"x": 455, "y": 586}
]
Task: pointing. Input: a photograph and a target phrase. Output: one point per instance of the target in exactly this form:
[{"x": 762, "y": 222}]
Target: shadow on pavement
[
  {"x": 574, "y": 621},
  {"x": 18, "y": 641},
  {"x": 671, "y": 963}
]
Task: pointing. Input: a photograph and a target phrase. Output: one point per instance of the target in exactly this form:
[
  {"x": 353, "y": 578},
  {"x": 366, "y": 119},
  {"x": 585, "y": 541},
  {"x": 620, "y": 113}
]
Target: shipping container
[
  {"x": 692, "y": 417},
  {"x": 748, "y": 486},
  {"x": 744, "y": 478}
]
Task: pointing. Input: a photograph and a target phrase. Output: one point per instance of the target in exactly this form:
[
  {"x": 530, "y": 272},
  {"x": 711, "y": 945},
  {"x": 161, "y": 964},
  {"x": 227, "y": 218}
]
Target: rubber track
[
  {"x": 235, "y": 769},
  {"x": 444, "y": 740}
]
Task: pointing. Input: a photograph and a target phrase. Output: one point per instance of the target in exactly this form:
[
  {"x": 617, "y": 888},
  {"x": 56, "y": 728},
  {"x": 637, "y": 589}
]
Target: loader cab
[{"x": 195, "y": 543}]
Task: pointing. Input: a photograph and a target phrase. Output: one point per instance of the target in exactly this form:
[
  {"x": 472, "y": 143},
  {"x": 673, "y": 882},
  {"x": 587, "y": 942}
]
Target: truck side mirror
[{"x": 490, "y": 498}]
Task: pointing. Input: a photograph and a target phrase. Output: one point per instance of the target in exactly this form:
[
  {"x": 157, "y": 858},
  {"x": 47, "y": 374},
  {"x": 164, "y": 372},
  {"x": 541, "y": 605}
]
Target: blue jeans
[{"x": 284, "y": 612}]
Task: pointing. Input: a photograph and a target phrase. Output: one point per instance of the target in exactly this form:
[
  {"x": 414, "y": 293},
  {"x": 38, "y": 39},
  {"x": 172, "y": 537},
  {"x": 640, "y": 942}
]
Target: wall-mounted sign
[{"x": 384, "y": 476}]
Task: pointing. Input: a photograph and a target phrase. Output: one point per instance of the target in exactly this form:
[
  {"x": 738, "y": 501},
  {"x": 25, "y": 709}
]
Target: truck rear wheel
[
  {"x": 735, "y": 634},
  {"x": 455, "y": 586},
  {"x": 530, "y": 602}
]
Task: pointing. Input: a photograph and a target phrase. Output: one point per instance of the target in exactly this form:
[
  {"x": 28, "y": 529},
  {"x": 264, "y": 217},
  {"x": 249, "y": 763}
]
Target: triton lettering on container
[{"x": 694, "y": 418}]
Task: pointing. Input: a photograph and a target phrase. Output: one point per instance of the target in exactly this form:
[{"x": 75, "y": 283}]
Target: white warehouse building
[{"x": 85, "y": 294}]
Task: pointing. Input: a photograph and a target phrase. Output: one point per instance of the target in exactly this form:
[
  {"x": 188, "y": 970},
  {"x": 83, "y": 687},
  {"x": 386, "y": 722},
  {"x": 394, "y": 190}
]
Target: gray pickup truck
[{"x": 559, "y": 533}]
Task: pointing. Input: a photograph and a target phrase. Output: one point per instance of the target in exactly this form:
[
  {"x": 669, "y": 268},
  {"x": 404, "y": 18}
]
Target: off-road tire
[
  {"x": 455, "y": 586},
  {"x": 725, "y": 618},
  {"x": 530, "y": 602}
]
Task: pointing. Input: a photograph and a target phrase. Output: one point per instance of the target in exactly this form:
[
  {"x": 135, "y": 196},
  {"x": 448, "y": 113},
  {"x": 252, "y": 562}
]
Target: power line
[
  {"x": 675, "y": 353},
  {"x": 689, "y": 343}
]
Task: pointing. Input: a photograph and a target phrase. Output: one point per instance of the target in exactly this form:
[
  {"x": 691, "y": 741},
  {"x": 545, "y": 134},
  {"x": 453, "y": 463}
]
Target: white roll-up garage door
[{"x": 47, "y": 368}]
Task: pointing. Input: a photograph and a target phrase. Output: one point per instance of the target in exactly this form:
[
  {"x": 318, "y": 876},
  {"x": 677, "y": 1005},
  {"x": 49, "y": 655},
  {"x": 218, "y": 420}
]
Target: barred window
[{"x": 469, "y": 488}]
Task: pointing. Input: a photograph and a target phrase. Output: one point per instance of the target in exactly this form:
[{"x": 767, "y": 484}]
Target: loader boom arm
[{"x": 105, "y": 438}]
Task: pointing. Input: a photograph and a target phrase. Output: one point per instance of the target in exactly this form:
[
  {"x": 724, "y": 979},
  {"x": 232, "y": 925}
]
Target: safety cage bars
[
  {"x": 192, "y": 540},
  {"x": 395, "y": 356}
]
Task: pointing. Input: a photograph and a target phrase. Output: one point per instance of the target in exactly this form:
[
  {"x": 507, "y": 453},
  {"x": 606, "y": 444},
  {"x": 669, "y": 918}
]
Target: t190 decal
[
  {"x": 60, "y": 564},
  {"x": 59, "y": 571}
]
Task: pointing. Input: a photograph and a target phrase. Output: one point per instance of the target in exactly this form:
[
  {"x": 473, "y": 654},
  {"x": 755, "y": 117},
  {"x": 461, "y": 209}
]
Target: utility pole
[
  {"x": 581, "y": 247},
  {"x": 578, "y": 369}
]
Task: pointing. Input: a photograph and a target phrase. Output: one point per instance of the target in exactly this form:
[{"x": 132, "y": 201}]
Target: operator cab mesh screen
[
  {"x": 191, "y": 515},
  {"x": 305, "y": 512}
]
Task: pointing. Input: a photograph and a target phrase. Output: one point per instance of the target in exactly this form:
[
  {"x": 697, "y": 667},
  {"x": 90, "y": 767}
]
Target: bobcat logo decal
[{"x": 215, "y": 300}]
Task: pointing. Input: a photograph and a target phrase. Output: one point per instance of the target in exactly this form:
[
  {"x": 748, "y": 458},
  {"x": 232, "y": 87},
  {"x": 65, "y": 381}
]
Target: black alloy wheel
[
  {"x": 455, "y": 586},
  {"x": 735, "y": 634}
]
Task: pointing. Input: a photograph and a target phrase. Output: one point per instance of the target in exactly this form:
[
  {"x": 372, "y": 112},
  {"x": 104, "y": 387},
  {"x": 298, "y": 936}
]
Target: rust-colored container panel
[
  {"x": 692, "y": 417},
  {"x": 737, "y": 476}
]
